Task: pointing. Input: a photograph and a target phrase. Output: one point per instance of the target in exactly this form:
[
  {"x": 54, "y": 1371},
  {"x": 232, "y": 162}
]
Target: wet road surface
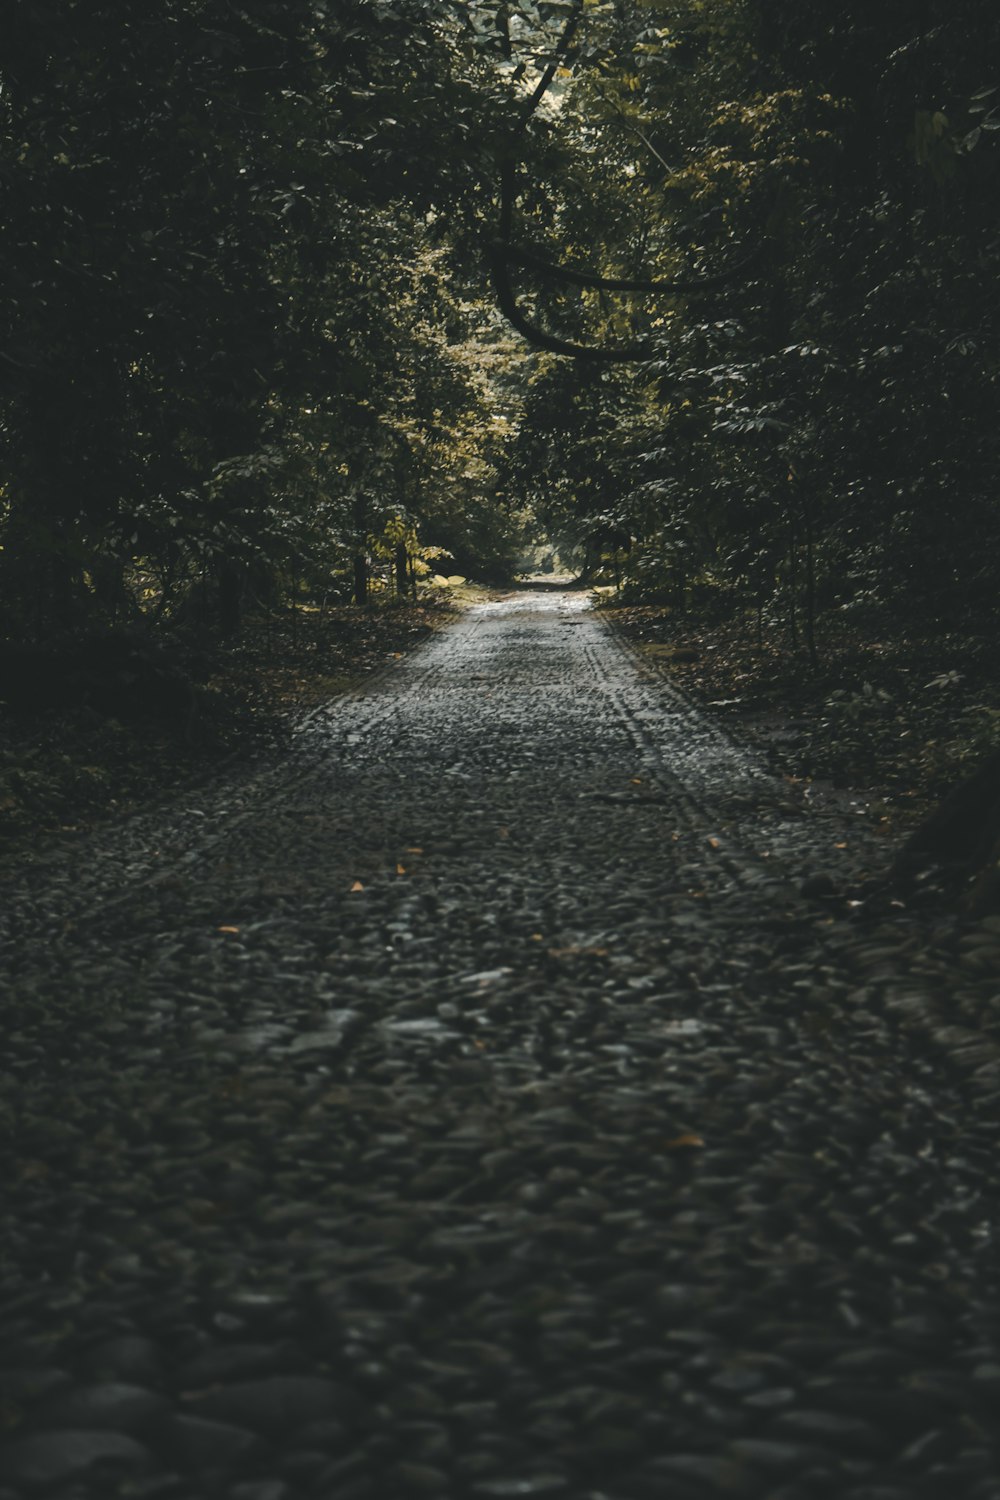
[{"x": 469, "y": 1105}]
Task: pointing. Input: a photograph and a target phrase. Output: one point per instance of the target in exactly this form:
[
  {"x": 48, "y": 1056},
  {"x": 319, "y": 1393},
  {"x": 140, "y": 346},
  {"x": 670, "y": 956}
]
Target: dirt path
[{"x": 469, "y": 1105}]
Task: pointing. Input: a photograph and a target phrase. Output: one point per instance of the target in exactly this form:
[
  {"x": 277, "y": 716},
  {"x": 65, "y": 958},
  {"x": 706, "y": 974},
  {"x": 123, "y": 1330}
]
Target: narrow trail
[{"x": 468, "y": 1105}]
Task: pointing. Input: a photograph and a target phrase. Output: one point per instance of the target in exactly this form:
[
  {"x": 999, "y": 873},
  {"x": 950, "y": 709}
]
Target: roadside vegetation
[{"x": 73, "y": 761}]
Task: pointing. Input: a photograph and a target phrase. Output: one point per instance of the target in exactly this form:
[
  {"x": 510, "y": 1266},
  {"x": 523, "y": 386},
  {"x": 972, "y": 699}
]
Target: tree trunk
[
  {"x": 230, "y": 578},
  {"x": 361, "y": 573},
  {"x": 402, "y": 569},
  {"x": 793, "y": 584},
  {"x": 810, "y": 591},
  {"x": 360, "y": 591}
]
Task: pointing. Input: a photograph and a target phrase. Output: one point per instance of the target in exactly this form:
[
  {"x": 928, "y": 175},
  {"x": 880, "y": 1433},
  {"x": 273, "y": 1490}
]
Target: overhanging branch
[
  {"x": 676, "y": 286},
  {"x": 508, "y": 305},
  {"x": 503, "y": 256}
]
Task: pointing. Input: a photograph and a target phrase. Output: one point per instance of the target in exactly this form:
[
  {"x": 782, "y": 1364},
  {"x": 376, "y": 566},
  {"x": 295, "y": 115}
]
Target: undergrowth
[
  {"x": 893, "y": 711},
  {"x": 65, "y": 769}
]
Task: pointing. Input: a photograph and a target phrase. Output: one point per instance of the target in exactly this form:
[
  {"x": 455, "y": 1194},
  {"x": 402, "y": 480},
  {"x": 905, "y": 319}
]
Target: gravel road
[{"x": 470, "y": 1105}]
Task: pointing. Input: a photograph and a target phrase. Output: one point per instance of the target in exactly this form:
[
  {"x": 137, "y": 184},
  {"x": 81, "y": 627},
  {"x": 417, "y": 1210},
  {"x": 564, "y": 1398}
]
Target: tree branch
[
  {"x": 508, "y": 305},
  {"x": 502, "y": 255},
  {"x": 568, "y": 274},
  {"x": 542, "y": 86}
]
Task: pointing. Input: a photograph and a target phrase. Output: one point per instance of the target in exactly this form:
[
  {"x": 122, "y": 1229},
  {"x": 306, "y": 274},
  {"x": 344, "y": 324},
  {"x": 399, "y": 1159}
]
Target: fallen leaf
[
  {"x": 714, "y": 844},
  {"x": 400, "y": 869},
  {"x": 229, "y": 929},
  {"x": 34, "y": 1171},
  {"x": 413, "y": 849},
  {"x": 840, "y": 846},
  {"x": 683, "y": 1142},
  {"x": 635, "y": 781},
  {"x": 357, "y": 886},
  {"x": 576, "y": 952}
]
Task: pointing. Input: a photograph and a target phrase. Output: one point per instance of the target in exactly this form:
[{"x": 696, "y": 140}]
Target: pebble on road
[{"x": 479, "y": 1102}]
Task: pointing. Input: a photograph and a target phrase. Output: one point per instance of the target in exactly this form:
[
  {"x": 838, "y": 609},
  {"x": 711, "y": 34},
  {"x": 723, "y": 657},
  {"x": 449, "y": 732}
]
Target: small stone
[
  {"x": 987, "y": 1376},
  {"x": 59, "y": 1456},
  {"x": 202, "y": 1444},
  {"x": 509, "y": 1489},
  {"x": 735, "y": 1379},
  {"x": 877, "y": 1492},
  {"x": 328, "y": 1433},
  {"x": 31, "y": 1383},
  {"x": 271, "y": 1406},
  {"x": 260, "y": 1489},
  {"x": 870, "y": 1360},
  {"x": 127, "y": 1357},
  {"x": 422, "y": 1478},
  {"x": 774, "y": 1456},
  {"x": 770, "y": 1398},
  {"x": 923, "y": 1331},
  {"x": 925, "y": 1449},
  {"x": 109, "y": 1404},
  {"x": 303, "y": 1464},
  {"x": 830, "y": 1428},
  {"x": 718, "y": 1476},
  {"x": 227, "y": 1362}
]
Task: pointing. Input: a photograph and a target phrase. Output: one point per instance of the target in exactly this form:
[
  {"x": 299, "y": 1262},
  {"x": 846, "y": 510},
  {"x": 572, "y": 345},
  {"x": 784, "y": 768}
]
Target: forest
[{"x": 309, "y": 308}]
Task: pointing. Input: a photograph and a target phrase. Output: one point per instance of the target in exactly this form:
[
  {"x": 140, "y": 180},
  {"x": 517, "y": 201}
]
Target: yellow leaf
[
  {"x": 715, "y": 843},
  {"x": 357, "y": 886},
  {"x": 683, "y": 1142},
  {"x": 229, "y": 929},
  {"x": 400, "y": 869}
]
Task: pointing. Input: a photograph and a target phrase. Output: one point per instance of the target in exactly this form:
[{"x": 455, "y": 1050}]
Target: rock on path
[{"x": 469, "y": 1106}]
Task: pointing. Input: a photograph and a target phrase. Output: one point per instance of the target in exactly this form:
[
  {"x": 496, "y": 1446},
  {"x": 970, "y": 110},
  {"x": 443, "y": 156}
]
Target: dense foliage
[
  {"x": 814, "y": 427},
  {"x": 231, "y": 350},
  {"x": 258, "y": 259}
]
